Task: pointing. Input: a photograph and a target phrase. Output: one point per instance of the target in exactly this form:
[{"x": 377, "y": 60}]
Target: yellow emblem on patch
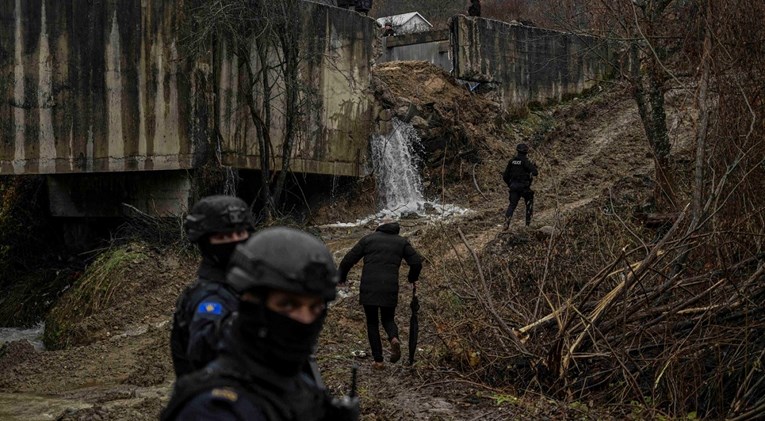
[
  {"x": 225, "y": 393},
  {"x": 210, "y": 308}
]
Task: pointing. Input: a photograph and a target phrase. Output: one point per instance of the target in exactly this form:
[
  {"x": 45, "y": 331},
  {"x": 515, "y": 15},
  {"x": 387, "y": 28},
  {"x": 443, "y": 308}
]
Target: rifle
[{"x": 347, "y": 408}]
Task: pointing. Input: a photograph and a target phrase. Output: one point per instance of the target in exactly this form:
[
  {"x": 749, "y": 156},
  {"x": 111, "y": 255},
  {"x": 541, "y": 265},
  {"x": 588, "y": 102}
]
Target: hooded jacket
[{"x": 382, "y": 251}]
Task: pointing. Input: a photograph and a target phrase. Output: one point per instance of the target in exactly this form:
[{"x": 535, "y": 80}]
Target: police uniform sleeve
[
  {"x": 506, "y": 174},
  {"x": 223, "y": 404},
  {"x": 205, "y": 329}
]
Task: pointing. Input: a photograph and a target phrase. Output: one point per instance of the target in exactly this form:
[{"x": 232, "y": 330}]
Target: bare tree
[{"x": 265, "y": 38}]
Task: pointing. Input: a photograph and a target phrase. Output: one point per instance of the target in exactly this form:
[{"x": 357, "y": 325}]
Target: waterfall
[{"x": 395, "y": 168}]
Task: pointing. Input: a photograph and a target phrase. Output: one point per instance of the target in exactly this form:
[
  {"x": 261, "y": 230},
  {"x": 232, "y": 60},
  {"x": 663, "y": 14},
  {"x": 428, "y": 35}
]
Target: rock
[
  {"x": 419, "y": 123},
  {"x": 385, "y": 115},
  {"x": 435, "y": 85},
  {"x": 401, "y": 111},
  {"x": 547, "y": 230}
]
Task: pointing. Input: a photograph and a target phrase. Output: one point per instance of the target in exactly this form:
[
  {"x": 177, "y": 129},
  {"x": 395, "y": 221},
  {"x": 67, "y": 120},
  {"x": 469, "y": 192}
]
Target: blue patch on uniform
[{"x": 209, "y": 307}]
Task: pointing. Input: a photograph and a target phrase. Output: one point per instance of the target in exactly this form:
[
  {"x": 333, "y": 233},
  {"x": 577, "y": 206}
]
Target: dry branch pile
[{"x": 680, "y": 339}]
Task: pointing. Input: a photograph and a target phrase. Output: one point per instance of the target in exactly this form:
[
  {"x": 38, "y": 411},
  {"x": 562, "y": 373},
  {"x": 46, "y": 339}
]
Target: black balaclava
[
  {"x": 217, "y": 254},
  {"x": 276, "y": 340}
]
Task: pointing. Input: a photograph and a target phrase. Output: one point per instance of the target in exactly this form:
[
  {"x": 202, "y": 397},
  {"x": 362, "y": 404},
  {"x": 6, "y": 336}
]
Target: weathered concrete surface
[
  {"x": 336, "y": 52},
  {"x": 101, "y": 87},
  {"x": 529, "y": 64},
  {"x": 432, "y": 46},
  {"x": 96, "y": 86}
]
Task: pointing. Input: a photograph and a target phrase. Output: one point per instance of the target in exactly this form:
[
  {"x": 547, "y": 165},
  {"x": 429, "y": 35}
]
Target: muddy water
[
  {"x": 33, "y": 335},
  {"x": 22, "y": 406},
  {"x": 19, "y": 406}
]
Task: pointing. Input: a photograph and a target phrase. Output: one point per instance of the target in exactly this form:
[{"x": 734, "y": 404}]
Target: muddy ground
[{"x": 122, "y": 369}]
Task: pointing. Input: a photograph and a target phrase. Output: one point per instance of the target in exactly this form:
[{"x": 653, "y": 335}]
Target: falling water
[
  {"x": 333, "y": 189},
  {"x": 395, "y": 167}
]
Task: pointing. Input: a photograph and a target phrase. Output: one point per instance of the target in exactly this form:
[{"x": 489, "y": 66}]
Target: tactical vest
[
  {"x": 281, "y": 398},
  {"x": 516, "y": 173},
  {"x": 184, "y": 312}
]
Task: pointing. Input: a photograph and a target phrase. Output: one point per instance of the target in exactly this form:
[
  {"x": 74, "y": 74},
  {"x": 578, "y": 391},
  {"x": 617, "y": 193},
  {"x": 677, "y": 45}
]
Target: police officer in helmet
[
  {"x": 216, "y": 224},
  {"x": 518, "y": 176},
  {"x": 285, "y": 278}
]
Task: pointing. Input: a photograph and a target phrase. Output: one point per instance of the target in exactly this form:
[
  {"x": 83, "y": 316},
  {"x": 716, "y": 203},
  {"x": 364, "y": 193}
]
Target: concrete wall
[
  {"x": 528, "y": 64},
  {"x": 96, "y": 86},
  {"x": 337, "y": 49},
  {"x": 432, "y": 46},
  {"x": 102, "y": 87}
]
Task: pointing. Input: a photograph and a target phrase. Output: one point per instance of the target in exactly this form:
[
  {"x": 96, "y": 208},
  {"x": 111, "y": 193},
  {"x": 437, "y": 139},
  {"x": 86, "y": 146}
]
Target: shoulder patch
[
  {"x": 225, "y": 393},
  {"x": 209, "y": 307}
]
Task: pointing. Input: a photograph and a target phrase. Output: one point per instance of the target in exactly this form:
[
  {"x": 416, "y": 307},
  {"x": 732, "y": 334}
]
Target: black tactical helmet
[
  {"x": 522, "y": 148},
  {"x": 217, "y": 214},
  {"x": 285, "y": 259}
]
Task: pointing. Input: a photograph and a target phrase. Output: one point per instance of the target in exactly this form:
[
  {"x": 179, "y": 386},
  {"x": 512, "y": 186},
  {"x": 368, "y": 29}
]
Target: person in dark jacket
[
  {"x": 285, "y": 279},
  {"x": 518, "y": 176},
  {"x": 363, "y": 6},
  {"x": 216, "y": 224},
  {"x": 382, "y": 252},
  {"x": 475, "y": 8},
  {"x": 388, "y": 30}
]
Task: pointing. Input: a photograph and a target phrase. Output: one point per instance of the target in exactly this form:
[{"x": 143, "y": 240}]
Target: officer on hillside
[
  {"x": 216, "y": 224},
  {"x": 285, "y": 278},
  {"x": 518, "y": 176},
  {"x": 382, "y": 251}
]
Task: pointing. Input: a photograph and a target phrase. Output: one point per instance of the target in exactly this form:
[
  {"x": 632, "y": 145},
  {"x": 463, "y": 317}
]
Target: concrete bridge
[
  {"x": 99, "y": 96},
  {"x": 103, "y": 88}
]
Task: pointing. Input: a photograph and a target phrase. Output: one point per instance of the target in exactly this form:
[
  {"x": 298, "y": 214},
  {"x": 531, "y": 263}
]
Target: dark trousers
[
  {"x": 375, "y": 314},
  {"x": 515, "y": 197}
]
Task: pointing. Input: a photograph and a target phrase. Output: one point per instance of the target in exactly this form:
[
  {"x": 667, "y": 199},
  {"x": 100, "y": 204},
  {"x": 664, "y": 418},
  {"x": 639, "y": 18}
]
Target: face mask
[
  {"x": 218, "y": 254},
  {"x": 276, "y": 340}
]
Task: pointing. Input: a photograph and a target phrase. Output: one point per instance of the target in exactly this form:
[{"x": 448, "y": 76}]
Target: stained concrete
[
  {"x": 528, "y": 64},
  {"x": 103, "y": 87},
  {"x": 431, "y": 46}
]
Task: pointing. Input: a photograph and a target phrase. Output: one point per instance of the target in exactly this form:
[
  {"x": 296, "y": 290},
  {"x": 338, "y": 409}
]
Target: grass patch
[{"x": 93, "y": 292}]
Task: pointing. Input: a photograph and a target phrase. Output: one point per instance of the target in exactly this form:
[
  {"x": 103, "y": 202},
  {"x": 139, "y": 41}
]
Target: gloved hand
[{"x": 344, "y": 409}]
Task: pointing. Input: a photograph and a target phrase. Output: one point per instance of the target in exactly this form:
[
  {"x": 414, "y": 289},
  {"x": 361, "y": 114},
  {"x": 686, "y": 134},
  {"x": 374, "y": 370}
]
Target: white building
[{"x": 406, "y": 23}]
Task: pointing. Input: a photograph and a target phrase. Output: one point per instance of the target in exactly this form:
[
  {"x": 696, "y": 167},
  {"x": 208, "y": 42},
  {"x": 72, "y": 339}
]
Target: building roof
[{"x": 400, "y": 20}]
